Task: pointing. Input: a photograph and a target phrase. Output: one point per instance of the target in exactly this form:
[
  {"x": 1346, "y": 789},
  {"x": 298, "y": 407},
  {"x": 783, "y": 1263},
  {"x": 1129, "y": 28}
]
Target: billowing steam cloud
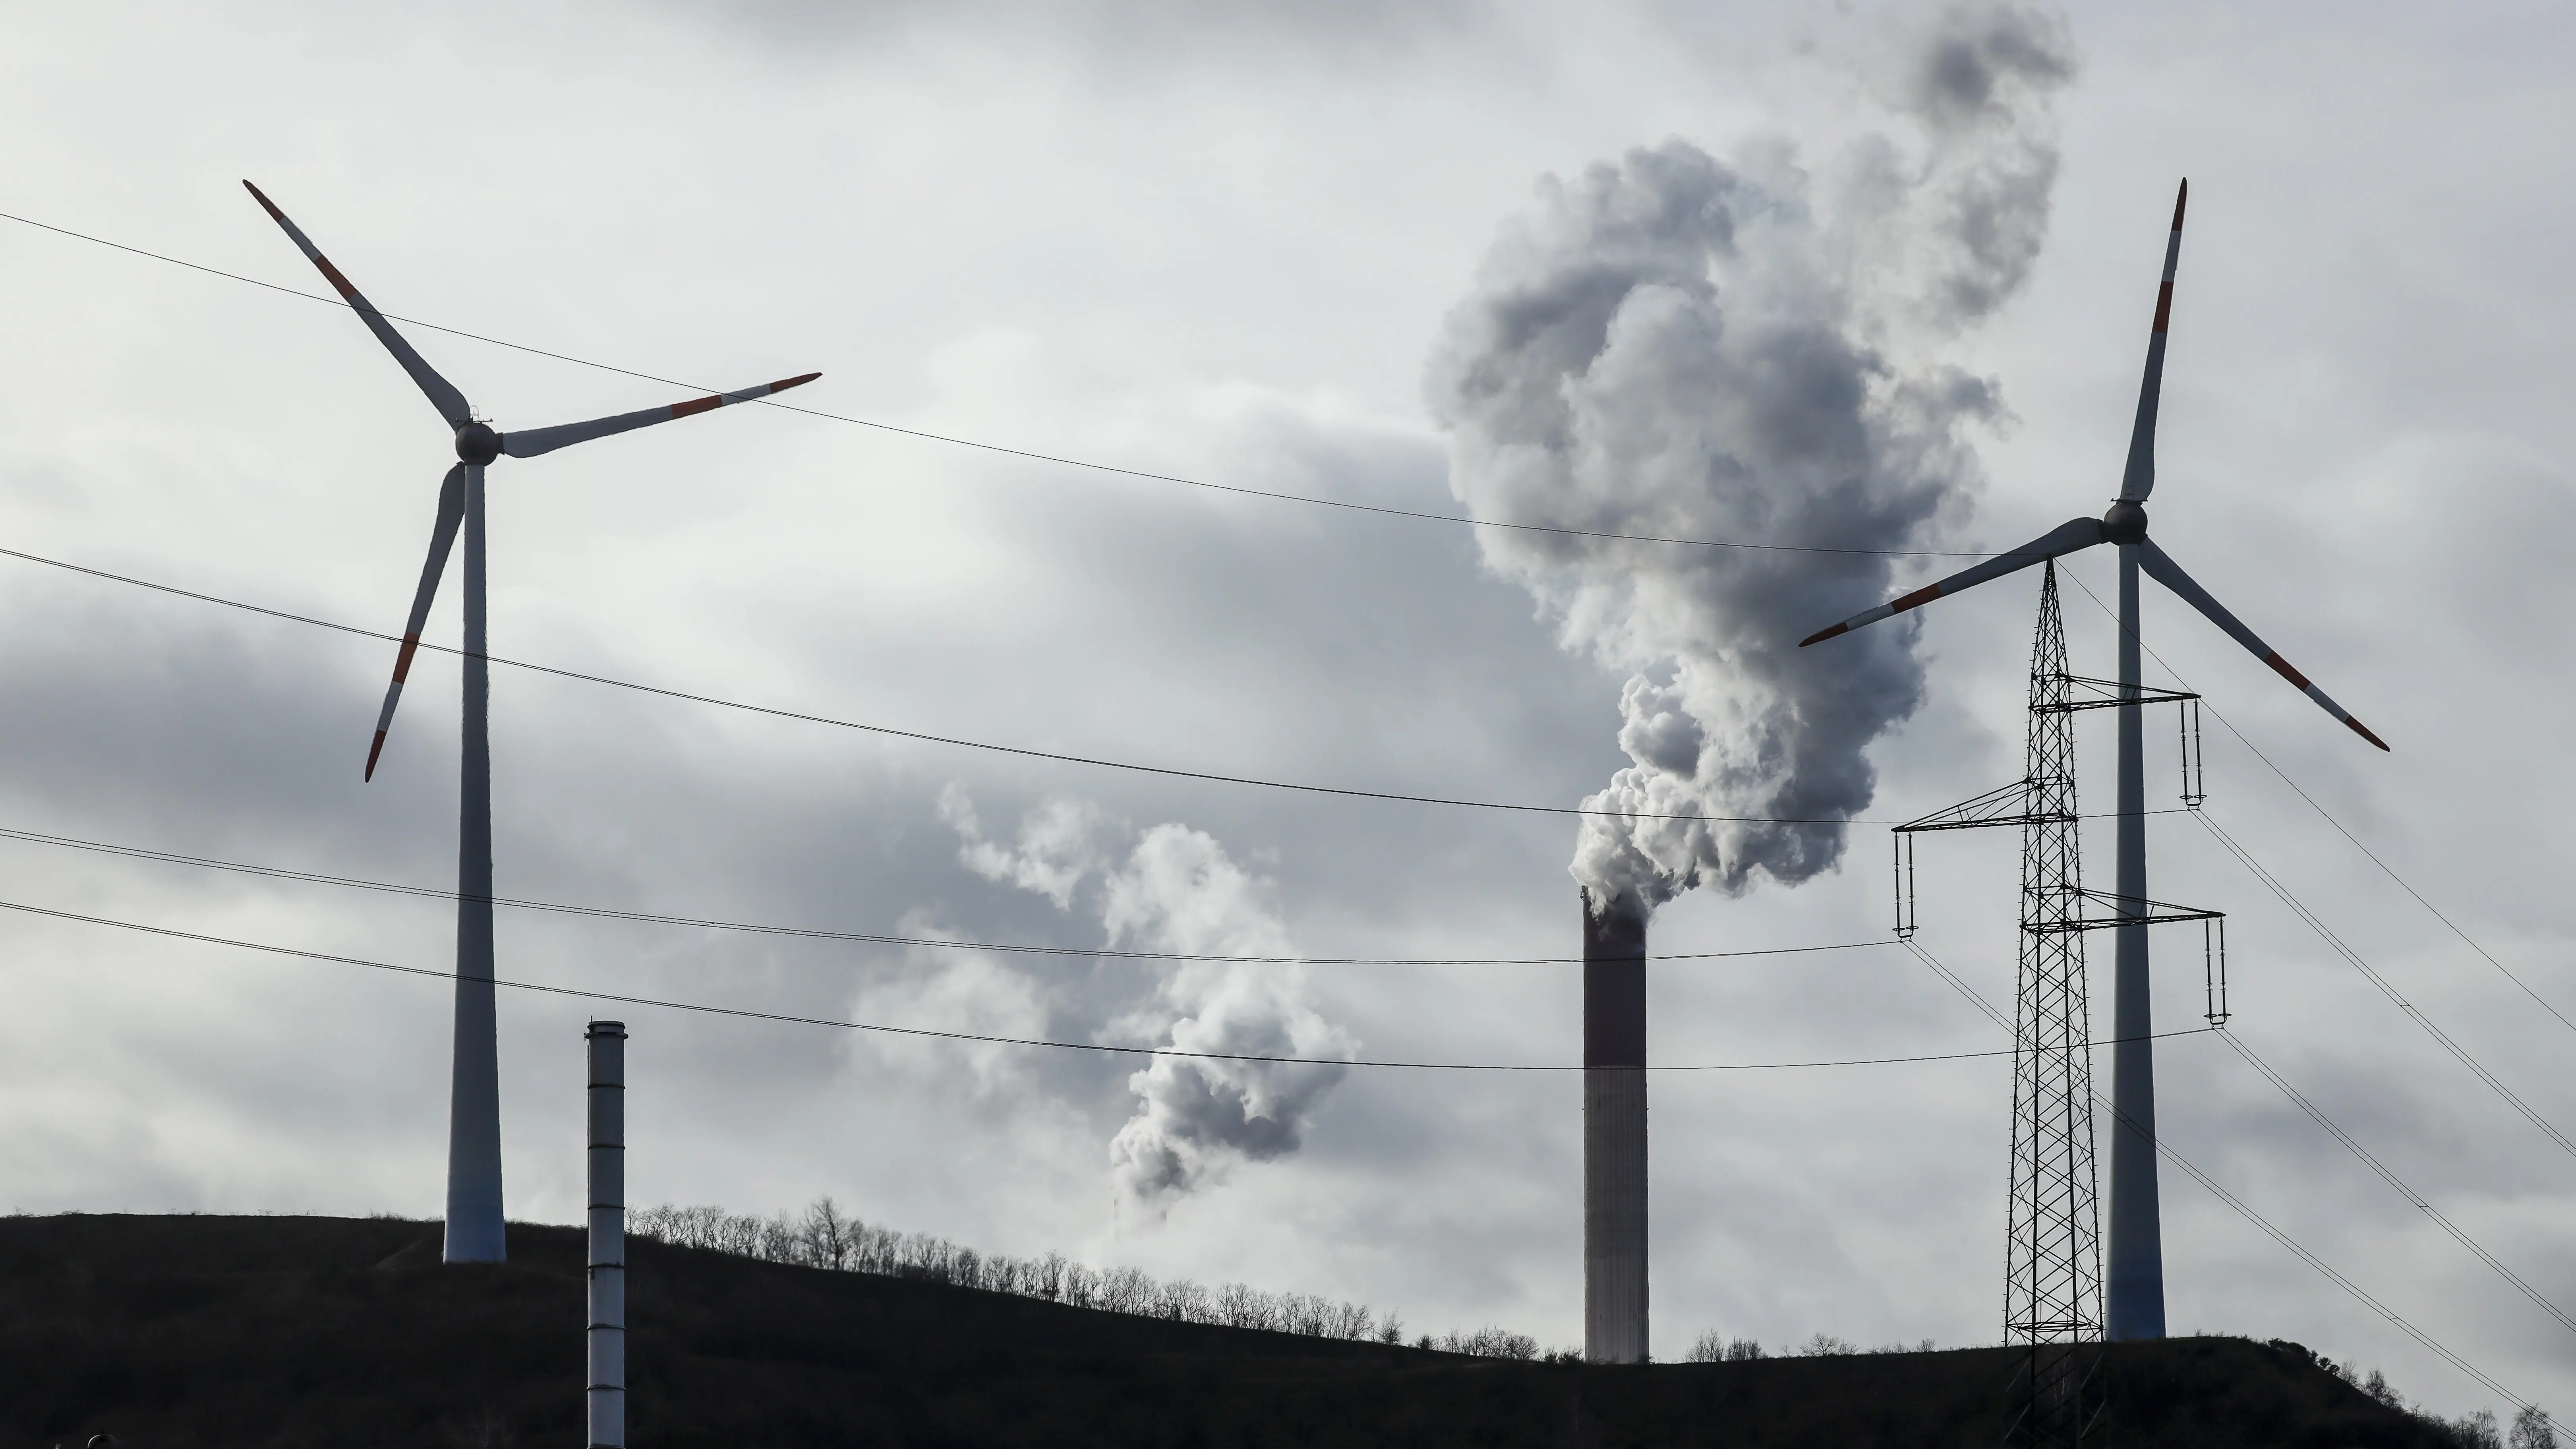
[
  {"x": 1176, "y": 890},
  {"x": 1677, "y": 346}
]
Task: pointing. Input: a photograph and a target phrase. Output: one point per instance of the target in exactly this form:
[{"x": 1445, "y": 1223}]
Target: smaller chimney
[{"x": 607, "y": 1332}]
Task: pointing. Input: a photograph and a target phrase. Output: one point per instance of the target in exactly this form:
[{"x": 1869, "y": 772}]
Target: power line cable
[
  {"x": 137, "y": 852},
  {"x": 984, "y": 1038},
  {"x": 774, "y": 712},
  {"x": 2386, "y": 988},
  {"x": 2317, "y": 923},
  {"x": 955, "y": 440},
  {"x": 2385, "y": 868},
  {"x": 2301, "y": 1251},
  {"x": 2241, "y": 1207},
  {"x": 2316, "y": 1114}
]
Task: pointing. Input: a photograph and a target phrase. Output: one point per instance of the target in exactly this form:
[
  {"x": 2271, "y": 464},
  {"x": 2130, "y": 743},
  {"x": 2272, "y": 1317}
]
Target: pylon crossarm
[
  {"x": 2004, "y": 805},
  {"x": 2085, "y": 693},
  {"x": 2154, "y": 913}
]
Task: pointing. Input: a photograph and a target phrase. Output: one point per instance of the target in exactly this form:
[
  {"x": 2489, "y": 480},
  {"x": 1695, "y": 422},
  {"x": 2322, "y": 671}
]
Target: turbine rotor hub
[
  {"x": 477, "y": 444},
  {"x": 2125, "y": 523}
]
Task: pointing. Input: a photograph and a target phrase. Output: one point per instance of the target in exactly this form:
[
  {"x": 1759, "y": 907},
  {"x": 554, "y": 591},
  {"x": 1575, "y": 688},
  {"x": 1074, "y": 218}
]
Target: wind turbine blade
[
  {"x": 2139, "y": 478},
  {"x": 442, "y": 537},
  {"x": 2066, "y": 538},
  {"x": 2161, "y": 567},
  {"x": 563, "y": 435},
  {"x": 442, "y": 393}
]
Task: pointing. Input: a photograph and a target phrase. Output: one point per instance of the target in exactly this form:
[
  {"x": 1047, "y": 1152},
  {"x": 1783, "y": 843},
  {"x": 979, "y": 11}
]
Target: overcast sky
[{"x": 1223, "y": 241}]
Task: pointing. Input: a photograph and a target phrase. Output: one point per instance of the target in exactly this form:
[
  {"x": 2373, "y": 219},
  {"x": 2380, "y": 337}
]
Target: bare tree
[
  {"x": 1127, "y": 1290},
  {"x": 1351, "y": 1322},
  {"x": 780, "y": 1242},
  {"x": 1303, "y": 1314},
  {"x": 2532, "y": 1430},
  {"x": 824, "y": 1236},
  {"x": 1240, "y": 1305},
  {"x": 1709, "y": 1347},
  {"x": 2477, "y": 1431},
  {"x": 1081, "y": 1286},
  {"x": 1183, "y": 1301}
]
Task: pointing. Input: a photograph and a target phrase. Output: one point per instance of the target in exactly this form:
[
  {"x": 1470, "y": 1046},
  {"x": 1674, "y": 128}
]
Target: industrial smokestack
[
  {"x": 1670, "y": 345},
  {"x": 607, "y": 1332},
  {"x": 1614, "y": 1129}
]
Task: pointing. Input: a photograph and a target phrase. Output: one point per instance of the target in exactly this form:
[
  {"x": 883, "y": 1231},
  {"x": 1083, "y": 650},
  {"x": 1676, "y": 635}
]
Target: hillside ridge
[{"x": 297, "y": 1331}]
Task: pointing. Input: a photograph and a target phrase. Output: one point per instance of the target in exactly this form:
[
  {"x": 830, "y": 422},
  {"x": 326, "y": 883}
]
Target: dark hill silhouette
[{"x": 299, "y": 1331}]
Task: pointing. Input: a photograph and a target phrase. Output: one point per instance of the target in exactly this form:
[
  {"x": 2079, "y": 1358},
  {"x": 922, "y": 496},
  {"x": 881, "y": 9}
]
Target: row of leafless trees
[
  {"x": 825, "y": 1237},
  {"x": 1715, "y": 1347},
  {"x": 2531, "y": 1427}
]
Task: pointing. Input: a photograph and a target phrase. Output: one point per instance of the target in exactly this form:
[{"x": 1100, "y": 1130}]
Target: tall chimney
[
  {"x": 1614, "y": 1130},
  {"x": 607, "y": 1333}
]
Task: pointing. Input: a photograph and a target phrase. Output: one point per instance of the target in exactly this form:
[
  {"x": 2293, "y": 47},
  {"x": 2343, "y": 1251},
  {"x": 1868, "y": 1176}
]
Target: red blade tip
[
  {"x": 794, "y": 382},
  {"x": 378, "y": 748},
  {"x": 1822, "y": 635},
  {"x": 262, "y": 198},
  {"x": 2181, "y": 196},
  {"x": 2363, "y": 730}
]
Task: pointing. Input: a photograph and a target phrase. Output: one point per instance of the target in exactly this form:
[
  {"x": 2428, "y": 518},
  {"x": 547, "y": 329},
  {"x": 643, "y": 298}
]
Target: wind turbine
[
  {"x": 474, "y": 1102},
  {"x": 2136, "y": 1281}
]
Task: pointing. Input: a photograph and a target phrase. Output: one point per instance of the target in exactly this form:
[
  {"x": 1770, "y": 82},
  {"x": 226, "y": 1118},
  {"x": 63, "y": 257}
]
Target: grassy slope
[{"x": 310, "y": 1331}]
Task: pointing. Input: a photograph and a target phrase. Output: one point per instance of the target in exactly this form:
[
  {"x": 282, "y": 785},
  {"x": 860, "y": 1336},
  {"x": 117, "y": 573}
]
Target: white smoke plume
[
  {"x": 1059, "y": 844},
  {"x": 1176, "y": 889},
  {"x": 1674, "y": 345}
]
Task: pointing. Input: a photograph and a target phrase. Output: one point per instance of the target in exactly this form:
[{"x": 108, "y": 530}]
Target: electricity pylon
[
  {"x": 2053, "y": 1242},
  {"x": 2053, "y": 1247}
]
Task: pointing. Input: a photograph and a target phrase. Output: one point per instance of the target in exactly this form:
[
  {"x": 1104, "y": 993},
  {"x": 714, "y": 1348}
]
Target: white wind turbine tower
[
  {"x": 474, "y": 1105},
  {"x": 2135, "y": 1280}
]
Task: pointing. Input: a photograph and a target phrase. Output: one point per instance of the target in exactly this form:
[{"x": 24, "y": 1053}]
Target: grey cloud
[
  {"x": 1124, "y": 32},
  {"x": 1976, "y": 60},
  {"x": 1982, "y": 80}
]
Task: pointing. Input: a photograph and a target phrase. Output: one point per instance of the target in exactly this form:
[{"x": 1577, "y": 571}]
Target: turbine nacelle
[
  {"x": 477, "y": 444},
  {"x": 2126, "y": 522}
]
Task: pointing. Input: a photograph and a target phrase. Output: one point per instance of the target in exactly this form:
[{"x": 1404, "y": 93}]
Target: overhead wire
[
  {"x": 956, "y": 440},
  {"x": 2328, "y": 816},
  {"x": 2373, "y": 856},
  {"x": 981, "y": 1038},
  {"x": 2242, "y": 1209},
  {"x": 2337, "y": 944},
  {"x": 2388, "y": 989},
  {"x": 137, "y": 852},
  {"x": 2316, "y": 1114},
  {"x": 890, "y": 731}
]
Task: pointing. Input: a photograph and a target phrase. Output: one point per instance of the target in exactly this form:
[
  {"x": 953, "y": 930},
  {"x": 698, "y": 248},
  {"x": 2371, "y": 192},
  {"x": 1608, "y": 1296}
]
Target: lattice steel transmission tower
[
  {"x": 2053, "y": 1285},
  {"x": 2053, "y": 1248}
]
